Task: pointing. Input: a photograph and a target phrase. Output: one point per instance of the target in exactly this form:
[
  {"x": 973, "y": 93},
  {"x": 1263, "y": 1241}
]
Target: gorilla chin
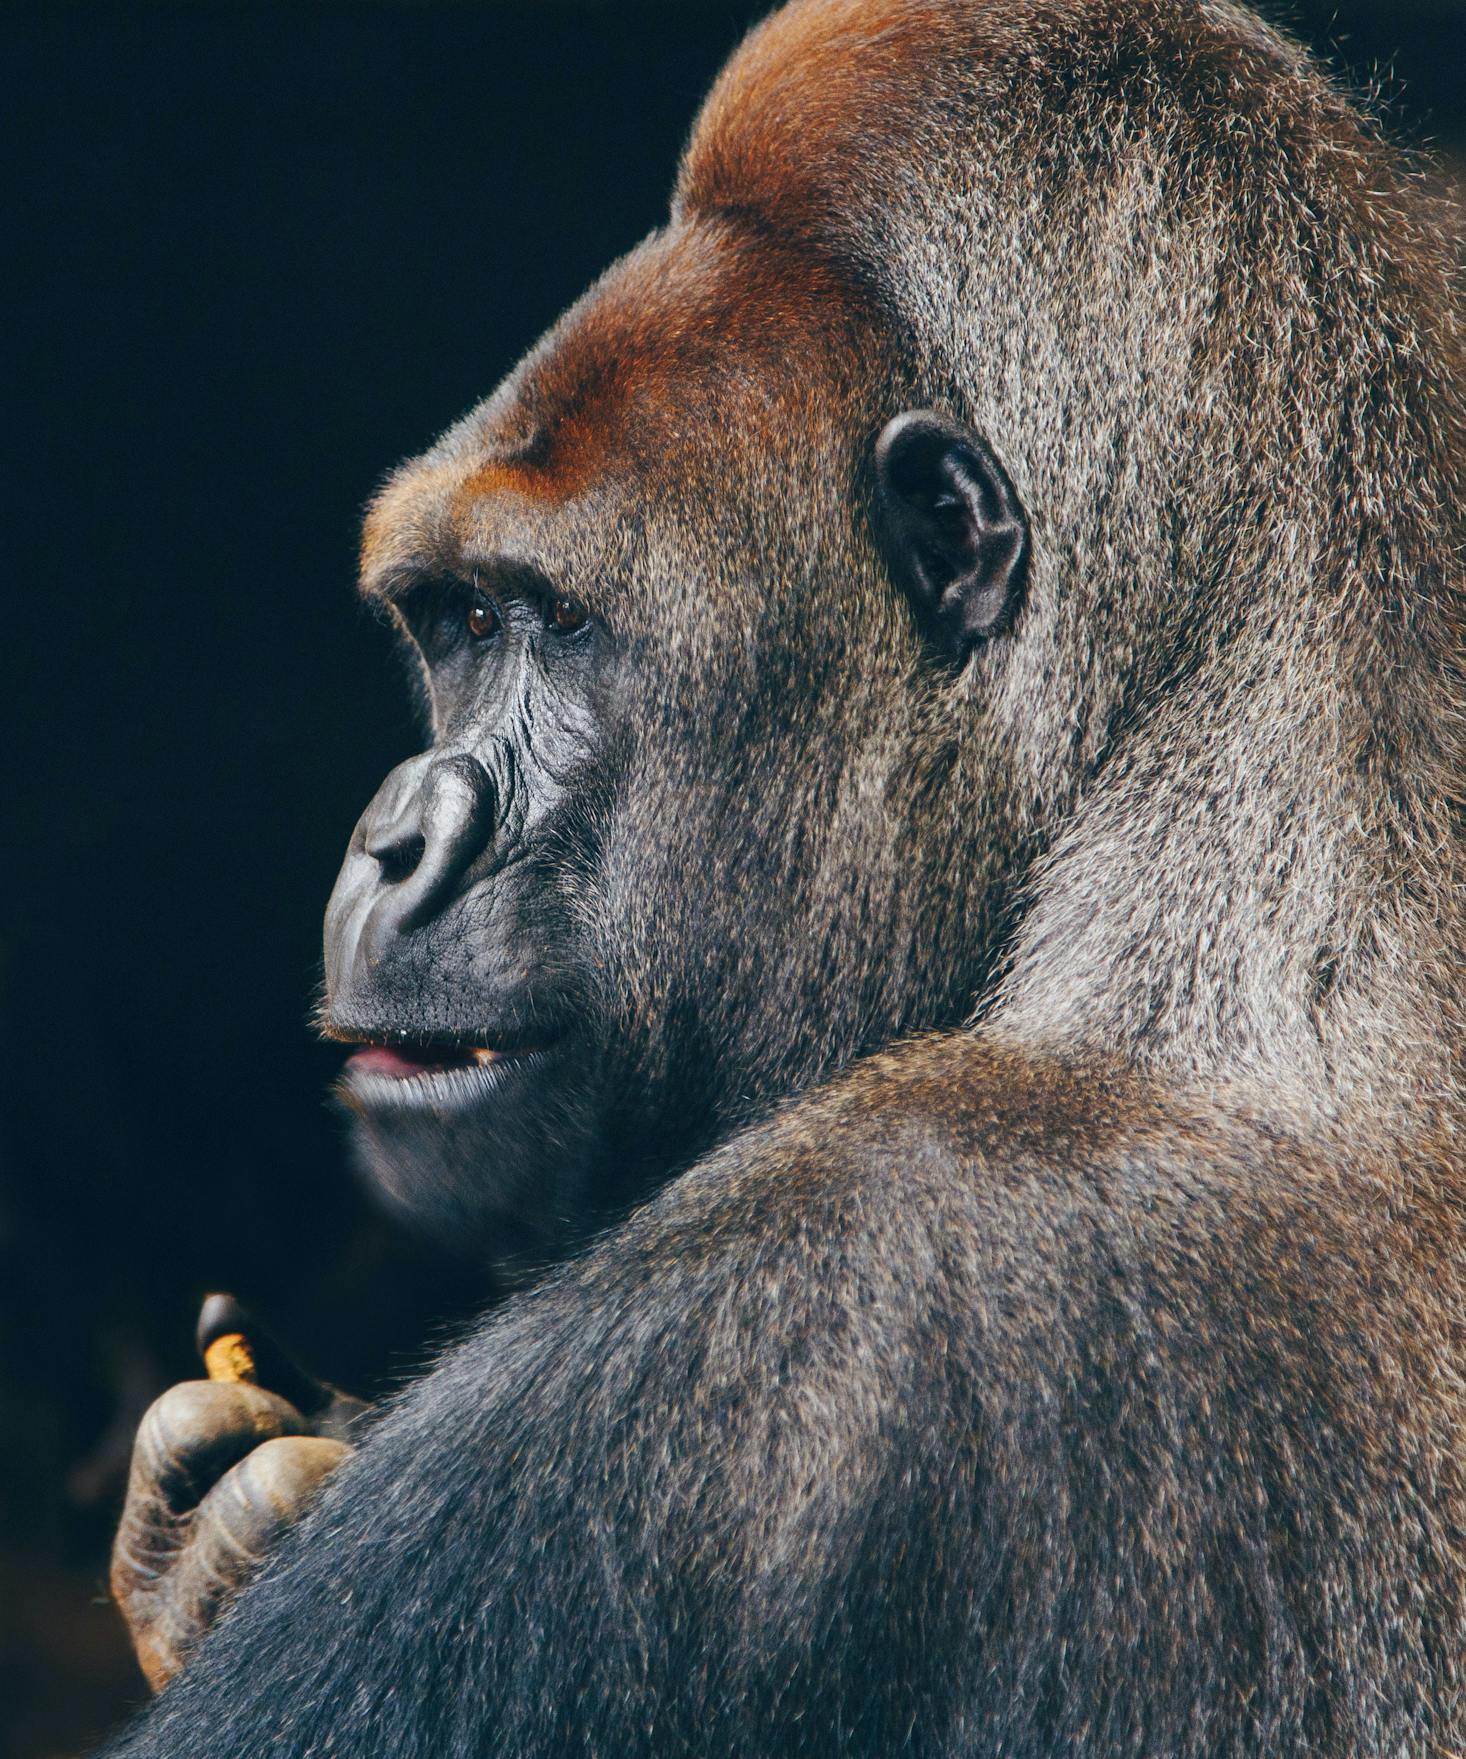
[{"x": 486, "y": 1152}]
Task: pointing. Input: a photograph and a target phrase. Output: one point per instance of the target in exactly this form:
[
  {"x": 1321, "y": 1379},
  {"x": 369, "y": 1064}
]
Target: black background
[{"x": 256, "y": 255}]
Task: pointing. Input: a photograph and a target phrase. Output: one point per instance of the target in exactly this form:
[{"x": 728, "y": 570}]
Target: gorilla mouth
[
  {"x": 404, "y": 1061},
  {"x": 437, "y": 1073}
]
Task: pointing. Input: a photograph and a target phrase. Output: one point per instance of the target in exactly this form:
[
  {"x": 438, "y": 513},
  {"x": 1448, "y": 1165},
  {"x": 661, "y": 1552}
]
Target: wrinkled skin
[
  {"x": 181, "y": 1555},
  {"x": 220, "y": 1469}
]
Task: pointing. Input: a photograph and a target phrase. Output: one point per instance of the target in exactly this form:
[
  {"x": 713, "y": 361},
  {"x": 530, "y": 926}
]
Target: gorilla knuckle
[
  {"x": 282, "y": 1475},
  {"x": 197, "y": 1428},
  {"x": 195, "y": 1411}
]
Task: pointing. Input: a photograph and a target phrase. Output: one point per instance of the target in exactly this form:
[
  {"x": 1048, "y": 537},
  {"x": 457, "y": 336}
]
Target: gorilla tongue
[{"x": 400, "y": 1062}]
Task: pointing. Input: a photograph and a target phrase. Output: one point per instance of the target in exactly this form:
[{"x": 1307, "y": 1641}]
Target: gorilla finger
[
  {"x": 194, "y": 1433},
  {"x": 188, "y": 1438},
  {"x": 267, "y": 1490},
  {"x": 234, "y": 1530},
  {"x": 250, "y": 1352},
  {"x": 203, "y": 1559}
]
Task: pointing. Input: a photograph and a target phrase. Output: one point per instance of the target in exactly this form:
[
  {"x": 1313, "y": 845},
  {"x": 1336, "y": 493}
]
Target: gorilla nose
[{"x": 432, "y": 817}]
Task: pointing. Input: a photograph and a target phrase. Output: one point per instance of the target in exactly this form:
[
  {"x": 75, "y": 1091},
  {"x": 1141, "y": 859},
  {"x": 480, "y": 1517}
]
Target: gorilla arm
[{"x": 975, "y": 1400}]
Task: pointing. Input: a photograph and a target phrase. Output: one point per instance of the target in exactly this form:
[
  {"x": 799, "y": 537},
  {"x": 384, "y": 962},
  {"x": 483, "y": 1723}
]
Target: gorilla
[{"x": 927, "y": 943}]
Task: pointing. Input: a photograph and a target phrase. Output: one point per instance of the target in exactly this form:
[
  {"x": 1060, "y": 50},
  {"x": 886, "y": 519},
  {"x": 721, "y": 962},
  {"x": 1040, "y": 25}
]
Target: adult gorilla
[{"x": 947, "y": 717}]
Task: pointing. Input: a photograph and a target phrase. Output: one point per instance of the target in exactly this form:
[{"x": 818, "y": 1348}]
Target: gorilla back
[{"x": 946, "y": 706}]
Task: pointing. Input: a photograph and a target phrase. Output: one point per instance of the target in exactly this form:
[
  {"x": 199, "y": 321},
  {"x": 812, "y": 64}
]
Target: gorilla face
[
  {"x": 453, "y": 953},
  {"x": 671, "y": 854}
]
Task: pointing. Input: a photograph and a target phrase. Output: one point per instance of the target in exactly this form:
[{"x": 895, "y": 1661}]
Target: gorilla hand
[{"x": 221, "y": 1467}]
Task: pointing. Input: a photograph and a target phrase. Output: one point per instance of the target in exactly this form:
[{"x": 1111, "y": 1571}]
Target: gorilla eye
[
  {"x": 568, "y": 615},
  {"x": 483, "y": 618}
]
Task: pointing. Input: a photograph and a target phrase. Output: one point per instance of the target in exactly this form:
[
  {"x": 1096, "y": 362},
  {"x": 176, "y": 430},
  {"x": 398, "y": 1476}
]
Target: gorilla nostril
[
  {"x": 398, "y": 853},
  {"x": 431, "y": 818}
]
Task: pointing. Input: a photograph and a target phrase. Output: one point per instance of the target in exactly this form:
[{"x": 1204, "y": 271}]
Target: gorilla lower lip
[{"x": 387, "y": 1079}]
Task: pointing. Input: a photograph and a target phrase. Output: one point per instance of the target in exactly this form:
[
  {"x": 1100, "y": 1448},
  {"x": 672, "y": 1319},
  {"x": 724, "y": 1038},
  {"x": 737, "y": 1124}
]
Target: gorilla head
[
  {"x": 753, "y": 691},
  {"x": 697, "y": 820}
]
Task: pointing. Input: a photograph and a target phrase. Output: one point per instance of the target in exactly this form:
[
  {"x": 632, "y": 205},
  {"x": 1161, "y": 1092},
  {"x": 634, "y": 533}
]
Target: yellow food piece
[{"x": 229, "y": 1357}]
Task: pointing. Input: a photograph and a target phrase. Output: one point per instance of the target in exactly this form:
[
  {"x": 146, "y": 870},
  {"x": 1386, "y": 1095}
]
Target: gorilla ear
[{"x": 954, "y": 532}]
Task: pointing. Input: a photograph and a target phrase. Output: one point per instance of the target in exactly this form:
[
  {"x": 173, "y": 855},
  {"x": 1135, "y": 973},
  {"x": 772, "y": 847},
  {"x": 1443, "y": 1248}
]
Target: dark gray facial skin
[{"x": 453, "y": 952}]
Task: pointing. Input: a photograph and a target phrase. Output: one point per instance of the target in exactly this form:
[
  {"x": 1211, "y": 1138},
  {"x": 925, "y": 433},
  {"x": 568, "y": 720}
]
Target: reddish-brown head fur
[{"x": 1172, "y": 279}]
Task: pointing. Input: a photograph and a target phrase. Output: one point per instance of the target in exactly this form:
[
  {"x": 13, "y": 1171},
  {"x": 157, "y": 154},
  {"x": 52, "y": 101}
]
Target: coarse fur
[{"x": 1055, "y": 1344}]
